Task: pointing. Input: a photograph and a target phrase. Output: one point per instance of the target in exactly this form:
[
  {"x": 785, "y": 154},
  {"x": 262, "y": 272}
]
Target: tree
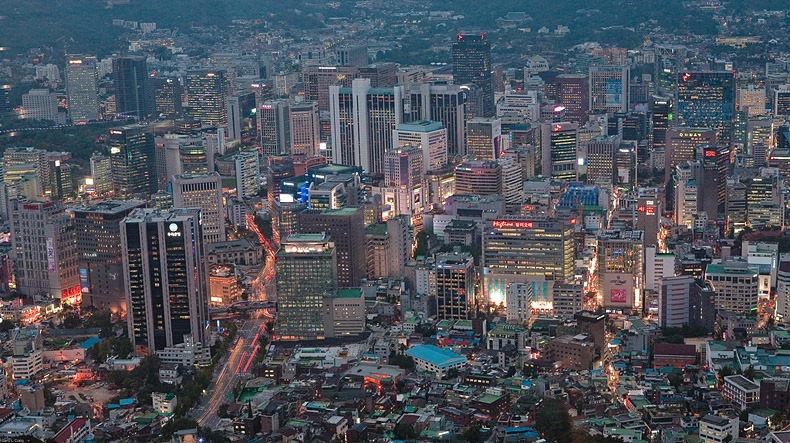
[
  {"x": 402, "y": 361},
  {"x": 451, "y": 374},
  {"x": 403, "y": 431},
  {"x": 71, "y": 321},
  {"x": 472, "y": 434},
  {"x": 553, "y": 421},
  {"x": 749, "y": 373},
  {"x": 725, "y": 371},
  {"x": 222, "y": 411},
  {"x": 511, "y": 371}
]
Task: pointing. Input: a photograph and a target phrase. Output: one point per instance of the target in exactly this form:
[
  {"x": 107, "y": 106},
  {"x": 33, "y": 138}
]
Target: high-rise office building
[
  {"x": 781, "y": 101},
  {"x": 352, "y": 55},
  {"x": 345, "y": 226},
  {"x": 206, "y": 93},
  {"x": 559, "y": 144},
  {"x": 132, "y": 157},
  {"x": 99, "y": 258},
  {"x": 362, "y": 121},
  {"x": 305, "y": 129},
  {"x": 165, "y": 278},
  {"x": 274, "y": 127},
  {"x": 40, "y": 104},
  {"x": 752, "y": 99},
  {"x": 661, "y": 118},
  {"x": 318, "y": 79},
  {"x": 472, "y": 65},
  {"x": 478, "y": 177},
  {"x": 737, "y": 285},
  {"x": 484, "y": 138},
  {"x": 444, "y": 104},
  {"x": 203, "y": 191},
  {"x": 600, "y": 157},
  {"x": 715, "y": 169},
  {"x": 44, "y": 248},
  {"x": 306, "y": 275},
  {"x": 285, "y": 218},
  {"x": 248, "y": 171},
  {"x": 455, "y": 276},
  {"x": 620, "y": 268},
  {"x": 609, "y": 88},
  {"x": 430, "y": 137},
  {"x": 165, "y": 96},
  {"x": 673, "y": 301},
  {"x": 519, "y": 249},
  {"x": 101, "y": 173},
  {"x": 682, "y": 144},
  {"x": 572, "y": 91},
  {"x": 403, "y": 167},
  {"x": 81, "y": 88},
  {"x": 707, "y": 100},
  {"x": 130, "y": 75}
]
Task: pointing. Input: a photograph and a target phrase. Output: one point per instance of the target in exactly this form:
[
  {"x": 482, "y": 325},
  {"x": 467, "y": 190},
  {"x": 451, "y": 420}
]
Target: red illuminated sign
[
  {"x": 650, "y": 210},
  {"x": 499, "y": 224},
  {"x": 710, "y": 153},
  {"x": 641, "y": 209}
]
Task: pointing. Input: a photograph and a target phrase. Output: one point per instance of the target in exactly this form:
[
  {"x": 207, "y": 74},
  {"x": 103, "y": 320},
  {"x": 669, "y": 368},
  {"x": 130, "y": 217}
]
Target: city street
[{"x": 225, "y": 376}]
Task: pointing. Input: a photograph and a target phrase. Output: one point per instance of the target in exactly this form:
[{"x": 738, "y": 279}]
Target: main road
[{"x": 229, "y": 367}]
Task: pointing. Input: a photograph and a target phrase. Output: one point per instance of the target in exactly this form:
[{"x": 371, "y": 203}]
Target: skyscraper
[
  {"x": 248, "y": 171},
  {"x": 274, "y": 127},
  {"x": 430, "y": 137},
  {"x": 478, "y": 177},
  {"x": 305, "y": 129},
  {"x": 609, "y": 88},
  {"x": 81, "y": 88},
  {"x": 472, "y": 65},
  {"x": 203, "y": 191},
  {"x": 206, "y": 93},
  {"x": 444, "y": 104},
  {"x": 518, "y": 249},
  {"x": 455, "y": 297},
  {"x": 362, "y": 121},
  {"x": 682, "y": 143},
  {"x": 661, "y": 120},
  {"x": 101, "y": 173},
  {"x": 403, "y": 167},
  {"x": 306, "y": 275},
  {"x": 45, "y": 251},
  {"x": 132, "y": 156},
  {"x": 346, "y": 227},
  {"x": 573, "y": 92},
  {"x": 98, "y": 256},
  {"x": 559, "y": 145},
  {"x": 130, "y": 76},
  {"x": 484, "y": 138},
  {"x": 707, "y": 100},
  {"x": 165, "y": 96},
  {"x": 40, "y": 104},
  {"x": 165, "y": 280}
]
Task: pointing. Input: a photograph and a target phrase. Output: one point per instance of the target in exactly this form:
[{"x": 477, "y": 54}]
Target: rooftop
[{"x": 439, "y": 357}]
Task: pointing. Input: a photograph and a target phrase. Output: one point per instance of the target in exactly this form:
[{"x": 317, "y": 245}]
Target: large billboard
[{"x": 618, "y": 290}]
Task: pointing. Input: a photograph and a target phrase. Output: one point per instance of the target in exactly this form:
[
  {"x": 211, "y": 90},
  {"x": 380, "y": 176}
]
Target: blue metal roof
[
  {"x": 438, "y": 357},
  {"x": 89, "y": 342}
]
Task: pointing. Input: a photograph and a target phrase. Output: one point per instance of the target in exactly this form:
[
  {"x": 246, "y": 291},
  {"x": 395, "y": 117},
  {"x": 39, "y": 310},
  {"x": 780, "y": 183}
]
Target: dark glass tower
[
  {"x": 165, "y": 282},
  {"x": 707, "y": 100},
  {"x": 132, "y": 158},
  {"x": 472, "y": 65},
  {"x": 130, "y": 74}
]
